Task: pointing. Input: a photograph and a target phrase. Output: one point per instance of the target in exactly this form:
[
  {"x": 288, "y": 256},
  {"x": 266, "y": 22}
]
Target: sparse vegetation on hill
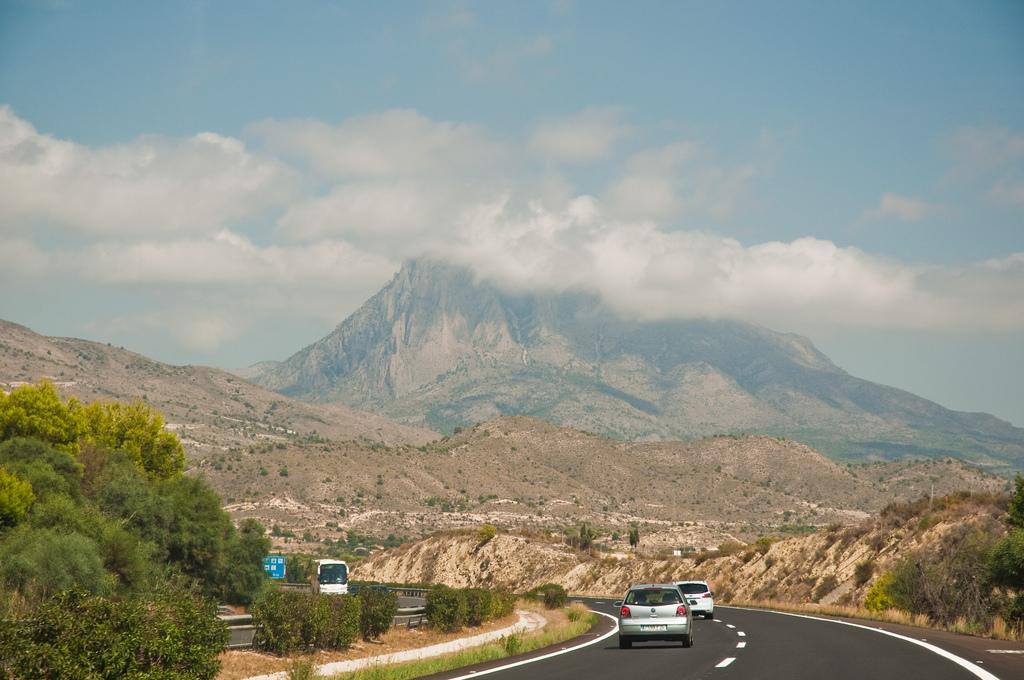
[
  {"x": 942, "y": 559},
  {"x": 523, "y": 473}
]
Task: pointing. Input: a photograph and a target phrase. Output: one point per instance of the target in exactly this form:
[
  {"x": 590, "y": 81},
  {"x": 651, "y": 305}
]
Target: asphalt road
[{"x": 776, "y": 646}]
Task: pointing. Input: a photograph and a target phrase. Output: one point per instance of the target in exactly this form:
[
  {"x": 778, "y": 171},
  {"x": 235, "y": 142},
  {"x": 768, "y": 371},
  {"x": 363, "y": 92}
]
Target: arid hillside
[
  {"x": 833, "y": 565},
  {"x": 212, "y": 410},
  {"x": 322, "y": 472},
  {"x": 523, "y": 473}
]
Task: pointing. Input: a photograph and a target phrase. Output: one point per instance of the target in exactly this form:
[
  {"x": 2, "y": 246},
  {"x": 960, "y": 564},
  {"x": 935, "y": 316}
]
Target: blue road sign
[{"x": 274, "y": 566}]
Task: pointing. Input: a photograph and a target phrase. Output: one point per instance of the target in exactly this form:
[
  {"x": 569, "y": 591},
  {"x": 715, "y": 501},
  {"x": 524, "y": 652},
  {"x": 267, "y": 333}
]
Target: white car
[{"x": 699, "y": 596}]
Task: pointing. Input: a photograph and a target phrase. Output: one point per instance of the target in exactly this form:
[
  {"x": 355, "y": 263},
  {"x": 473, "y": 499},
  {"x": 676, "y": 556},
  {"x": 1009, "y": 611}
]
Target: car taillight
[
  {"x": 624, "y": 613},
  {"x": 706, "y": 595},
  {"x": 681, "y": 610}
]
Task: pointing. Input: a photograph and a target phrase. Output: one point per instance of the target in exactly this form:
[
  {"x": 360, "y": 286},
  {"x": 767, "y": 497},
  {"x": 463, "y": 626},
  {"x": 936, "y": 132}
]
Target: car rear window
[
  {"x": 693, "y": 588},
  {"x": 653, "y": 596}
]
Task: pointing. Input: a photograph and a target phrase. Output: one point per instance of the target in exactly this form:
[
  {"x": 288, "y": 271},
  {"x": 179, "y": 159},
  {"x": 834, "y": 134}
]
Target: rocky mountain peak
[{"x": 443, "y": 347}]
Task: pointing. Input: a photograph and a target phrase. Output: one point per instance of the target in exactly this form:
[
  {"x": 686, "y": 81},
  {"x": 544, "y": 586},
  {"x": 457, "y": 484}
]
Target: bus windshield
[{"x": 333, "y": 573}]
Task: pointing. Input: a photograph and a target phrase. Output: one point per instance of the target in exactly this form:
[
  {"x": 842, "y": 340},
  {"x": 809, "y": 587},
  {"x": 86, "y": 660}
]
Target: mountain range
[{"x": 441, "y": 347}]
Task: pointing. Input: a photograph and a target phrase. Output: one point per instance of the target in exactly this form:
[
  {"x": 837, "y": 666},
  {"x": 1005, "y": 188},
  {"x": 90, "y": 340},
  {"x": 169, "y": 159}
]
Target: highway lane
[{"x": 762, "y": 646}]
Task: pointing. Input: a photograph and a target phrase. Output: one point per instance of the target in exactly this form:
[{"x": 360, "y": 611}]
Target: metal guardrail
[
  {"x": 411, "y": 592},
  {"x": 240, "y": 630}
]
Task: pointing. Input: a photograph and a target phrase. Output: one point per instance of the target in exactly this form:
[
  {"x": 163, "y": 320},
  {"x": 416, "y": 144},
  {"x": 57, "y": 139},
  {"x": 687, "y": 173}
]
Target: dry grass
[
  {"x": 998, "y": 629},
  {"x": 562, "y": 625},
  {"x": 238, "y": 664}
]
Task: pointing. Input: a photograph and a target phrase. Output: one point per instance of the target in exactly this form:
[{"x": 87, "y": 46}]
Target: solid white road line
[
  {"x": 725, "y": 662},
  {"x": 959, "y": 661},
  {"x": 741, "y": 645},
  {"x": 613, "y": 631}
]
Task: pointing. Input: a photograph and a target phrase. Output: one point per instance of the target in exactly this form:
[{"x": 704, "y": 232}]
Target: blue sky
[{"x": 853, "y": 172}]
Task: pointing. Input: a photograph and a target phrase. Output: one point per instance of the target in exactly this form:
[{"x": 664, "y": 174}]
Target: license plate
[{"x": 653, "y": 629}]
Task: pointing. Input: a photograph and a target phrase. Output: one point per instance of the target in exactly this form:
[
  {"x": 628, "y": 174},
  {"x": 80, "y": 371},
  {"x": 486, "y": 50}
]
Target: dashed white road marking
[
  {"x": 959, "y": 661},
  {"x": 1005, "y": 651},
  {"x": 741, "y": 633},
  {"x": 729, "y": 625},
  {"x": 717, "y": 620},
  {"x": 741, "y": 645},
  {"x": 725, "y": 662}
]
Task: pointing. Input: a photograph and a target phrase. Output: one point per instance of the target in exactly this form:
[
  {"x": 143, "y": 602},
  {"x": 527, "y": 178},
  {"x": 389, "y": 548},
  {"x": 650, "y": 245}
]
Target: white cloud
[
  {"x": 581, "y": 137},
  {"x": 905, "y": 208},
  {"x": 158, "y": 223},
  {"x": 152, "y": 184},
  {"x": 807, "y": 283},
  {"x": 398, "y": 143},
  {"x": 678, "y": 179},
  {"x": 196, "y": 331},
  {"x": 224, "y": 259},
  {"x": 372, "y": 210}
]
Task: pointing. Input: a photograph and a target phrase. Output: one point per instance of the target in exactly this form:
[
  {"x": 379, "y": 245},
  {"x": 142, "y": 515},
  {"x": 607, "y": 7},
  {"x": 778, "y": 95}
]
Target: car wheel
[
  {"x": 709, "y": 615},
  {"x": 688, "y": 640},
  {"x": 625, "y": 643}
]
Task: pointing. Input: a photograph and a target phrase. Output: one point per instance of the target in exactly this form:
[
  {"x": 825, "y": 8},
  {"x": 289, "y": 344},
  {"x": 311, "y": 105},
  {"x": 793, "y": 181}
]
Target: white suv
[{"x": 699, "y": 596}]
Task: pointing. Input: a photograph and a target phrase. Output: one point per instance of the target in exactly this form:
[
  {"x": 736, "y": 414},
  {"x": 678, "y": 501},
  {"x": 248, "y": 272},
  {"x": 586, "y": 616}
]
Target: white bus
[{"x": 331, "y": 577}]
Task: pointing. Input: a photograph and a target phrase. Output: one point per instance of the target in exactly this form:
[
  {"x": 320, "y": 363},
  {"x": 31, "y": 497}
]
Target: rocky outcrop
[
  {"x": 442, "y": 347},
  {"x": 825, "y": 566}
]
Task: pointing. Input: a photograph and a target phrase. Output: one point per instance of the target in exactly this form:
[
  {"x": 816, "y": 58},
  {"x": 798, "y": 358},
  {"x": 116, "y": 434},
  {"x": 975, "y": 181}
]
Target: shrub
[
  {"x": 303, "y": 669},
  {"x": 512, "y": 644},
  {"x": 378, "y": 612},
  {"x": 290, "y": 621},
  {"x": 76, "y": 635},
  {"x": 576, "y": 612},
  {"x": 276, "y": 614},
  {"x": 949, "y": 581},
  {"x": 446, "y": 609},
  {"x": 827, "y": 585},
  {"x": 343, "y": 625},
  {"x": 485, "y": 534},
  {"x": 863, "y": 572},
  {"x": 551, "y": 594},
  {"x": 502, "y": 604},
  {"x": 479, "y": 605},
  {"x": 878, "y": 598}
]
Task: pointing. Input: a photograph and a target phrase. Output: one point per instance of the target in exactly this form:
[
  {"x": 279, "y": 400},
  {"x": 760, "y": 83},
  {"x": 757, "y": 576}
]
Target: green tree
[
  {"x": 37, "y": 411},
  {"x": 243, "y": 574},
  {"x": 49, "y": 471},
  {"x": 137, "y": 429},
  {"x": 634, "y": 537},
  {"x": 42, "y": 562},
  {"x": 1007, "y": 561},
  {"x": 587, "y": 536},
  {"x": 16, "y": 498},
  {"x": 1015, "y": 513}
]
